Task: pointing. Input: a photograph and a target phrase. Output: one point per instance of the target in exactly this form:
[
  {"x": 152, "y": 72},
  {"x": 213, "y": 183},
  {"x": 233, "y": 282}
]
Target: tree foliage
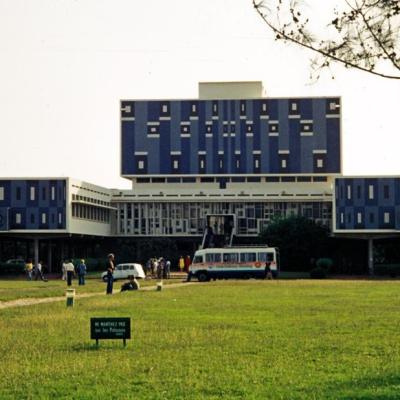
[
  {"x": 300, "y": 240},
  {"x": 363, "y": 35}
]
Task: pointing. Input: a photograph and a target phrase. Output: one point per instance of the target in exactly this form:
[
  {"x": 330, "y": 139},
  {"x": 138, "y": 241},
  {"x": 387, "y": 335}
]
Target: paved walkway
[{"x": 34, "y": 301}]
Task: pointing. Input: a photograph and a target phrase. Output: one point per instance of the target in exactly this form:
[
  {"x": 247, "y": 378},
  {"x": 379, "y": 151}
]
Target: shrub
[
  {"x": 318, "y": 273},
  {"x": 324, "y": 263}
]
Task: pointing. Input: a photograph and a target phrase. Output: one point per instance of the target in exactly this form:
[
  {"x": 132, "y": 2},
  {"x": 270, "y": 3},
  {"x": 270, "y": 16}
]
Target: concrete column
[
  {"x": 371, "y": 256},
  {"x": 36, "y": 251},
  {"x": 49, "y": 256}
]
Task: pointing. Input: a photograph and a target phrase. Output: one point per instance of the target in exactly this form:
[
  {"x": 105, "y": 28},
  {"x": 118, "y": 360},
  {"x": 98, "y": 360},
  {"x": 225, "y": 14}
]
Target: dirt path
[{"x": 34, "y": 301}]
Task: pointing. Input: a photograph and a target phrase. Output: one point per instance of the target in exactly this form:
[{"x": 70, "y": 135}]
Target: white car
[{"x": 123, "y": 271}]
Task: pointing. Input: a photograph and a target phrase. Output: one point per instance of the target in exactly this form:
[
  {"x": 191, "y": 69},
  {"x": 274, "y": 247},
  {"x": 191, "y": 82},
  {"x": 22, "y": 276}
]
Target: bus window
[
  {"x": 247, "y": 257},
  {"x": 263, "y": 257},
  {"x": 213, "y": 257},
  {"x": 231, "y": 257},
  {"x": 198, "y": 260}
]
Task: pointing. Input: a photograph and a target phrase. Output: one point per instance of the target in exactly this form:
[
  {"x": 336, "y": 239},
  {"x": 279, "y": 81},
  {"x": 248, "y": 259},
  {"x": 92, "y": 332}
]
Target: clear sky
[{"x": 65, "y": 64}]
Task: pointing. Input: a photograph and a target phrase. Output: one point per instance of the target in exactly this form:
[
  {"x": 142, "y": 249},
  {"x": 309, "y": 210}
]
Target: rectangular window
[
  {"x": 231, "y": 257},
  {"x": 43, "y": 194},
  {"x": 263, "y": 257},
  {"x": 60, "y": 218},
  {"x": 213, "y": 258},
  {"x": 371, "y": 218},
  {"x": 349, "y": 192},
  {"x": 248, "y": 257},
  {"x": 32, "y": 193},
  {"x": 320, "y": 163},
  {"x": 175, "y": 164},
  {"x": 44, "y": 218},
  {"x": 358, "y": 192},
  {"x": 17, "y": 218},
  {"x": 53, "y": 193},
  {"x": 386, "y": 217},
  {"x": 341, "y": 218},
  {"x": 140, "y": 164},
  {"x": 385, "y": 191},
  {"x": 32, "y": 218},
  {"x": 18, "y": 193},
  {"x": 1, "y": 193},
  {"x": 371, "y": 192},
  {"x": 359, "y": 218},
  {"x": 283, "y": 163}
]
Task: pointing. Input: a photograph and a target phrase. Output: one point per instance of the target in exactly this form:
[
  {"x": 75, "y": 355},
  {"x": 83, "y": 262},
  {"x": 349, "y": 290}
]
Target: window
[
  {"x": 17, "y": 218},
  {"x": 371, "y": 218},
  {"x": 213, "y": 257},
  {"x": 385, "y": 191},
  {"x": 1, "y": 193},
  {"x": 53, "y": 193},
  {"x": 43, "y": 193},
  {"x": 175, "y": 164},
  {"x": 248, "y": 257},
  {"x": 386, "y": 218},
  {"x": 32, "y": 193},
  {"x": 231, "y": 257},
  {"x": 371, "y": 192},
  {"x": 32, "y": 218},
  {"x": 60, "y": 218},
  {"x": 349, "y": 192},
  {"x": 320, "y": 163},
  {"x": 242, "y": 108},
  {"x": 294, "y": 106},
  {"x": 332, "y": 106},
  {"x": 283, "y": 163},
  {"x": 164, "y": 108},
  {"x": 359, "y": 218},
  {"x": 263, "y": 257},
  {"x": 198, "y": 260},
  {"x": 358, "y": 192},
  {"x": 140, "y": 164},
  {"x": 18, "y": 193},
  {"x": 44, "y": 218},
  {"x": 341, "y": 218}
]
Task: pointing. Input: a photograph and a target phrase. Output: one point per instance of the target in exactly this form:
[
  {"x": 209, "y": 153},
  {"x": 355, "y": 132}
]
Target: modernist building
[{"x": 228, "y": 161}]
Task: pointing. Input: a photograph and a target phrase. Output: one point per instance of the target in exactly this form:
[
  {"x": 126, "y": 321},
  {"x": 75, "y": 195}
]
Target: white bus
[{"x": 234, "y": 262}]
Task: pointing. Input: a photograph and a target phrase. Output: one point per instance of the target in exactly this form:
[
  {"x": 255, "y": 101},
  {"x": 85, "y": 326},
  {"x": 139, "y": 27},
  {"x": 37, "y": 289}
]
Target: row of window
[
  {"x": 35, "y": 193},
  {"x": 90, "y": 190},
  {"x": 153, "y": 129},
  {"x": 222, "y": 163},
  {"x": 358, "y": 193},
  {"x": 44, "y": 218},
  {"x": 90, "y": 213},
  {"x": 294, "y": 108},
  {"x": 238, "y": 257},
  {"x": 360, "y": 218}
]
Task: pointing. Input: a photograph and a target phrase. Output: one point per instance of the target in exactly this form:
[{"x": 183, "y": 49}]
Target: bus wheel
[{"x": 202, "y": 277}]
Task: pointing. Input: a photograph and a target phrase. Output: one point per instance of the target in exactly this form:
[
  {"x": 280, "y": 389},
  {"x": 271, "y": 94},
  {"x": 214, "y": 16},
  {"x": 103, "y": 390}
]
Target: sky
[{"x": 65, "y": 65}]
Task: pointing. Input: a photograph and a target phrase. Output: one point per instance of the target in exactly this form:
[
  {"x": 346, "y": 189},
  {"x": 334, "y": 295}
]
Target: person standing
[
  {"x": 188, "y": 261},
  {"x": 29, "y": 269},
  {"x": 70, "y": 270},
  {"x": 181, "y": 263},
  {"x": 167, "y": 269},
  {"x": 110, "y": 271},
  {"x": 82, "y": 272},
  {"x": 38, "y": 271}
]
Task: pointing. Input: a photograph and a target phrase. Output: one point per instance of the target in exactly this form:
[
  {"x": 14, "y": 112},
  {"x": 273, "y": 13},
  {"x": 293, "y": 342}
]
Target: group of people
[
  {"x": 69, "y": 271},
  {"x": 159, "y": 268},
  {"x": 34, "y": 272}
]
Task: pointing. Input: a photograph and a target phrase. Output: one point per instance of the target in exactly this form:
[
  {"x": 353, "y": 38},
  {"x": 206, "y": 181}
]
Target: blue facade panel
[
  {"x": 32, "y": 204},
  {"x": 367, "y": 203},
  {"x": 300, "y": 128}
]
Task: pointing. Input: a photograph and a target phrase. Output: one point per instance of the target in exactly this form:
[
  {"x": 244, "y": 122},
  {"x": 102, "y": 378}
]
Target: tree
[
  {"x": 299, "y": 239},
  {"x": 364, "y": 35}
]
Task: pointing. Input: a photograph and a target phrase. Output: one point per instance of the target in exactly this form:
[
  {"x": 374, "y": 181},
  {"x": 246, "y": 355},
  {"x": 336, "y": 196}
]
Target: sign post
[{"x": 110, "y": 328}]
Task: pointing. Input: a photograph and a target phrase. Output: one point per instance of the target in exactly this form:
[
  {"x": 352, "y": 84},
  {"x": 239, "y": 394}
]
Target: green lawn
[{"x": 230, "y": 339}]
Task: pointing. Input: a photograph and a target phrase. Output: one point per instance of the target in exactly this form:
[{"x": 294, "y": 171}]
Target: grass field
[{"x": 294, "y": 339}]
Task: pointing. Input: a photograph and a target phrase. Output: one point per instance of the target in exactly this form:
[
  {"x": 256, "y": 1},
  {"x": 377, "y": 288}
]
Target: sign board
[{"x": 110, "y": 328}]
